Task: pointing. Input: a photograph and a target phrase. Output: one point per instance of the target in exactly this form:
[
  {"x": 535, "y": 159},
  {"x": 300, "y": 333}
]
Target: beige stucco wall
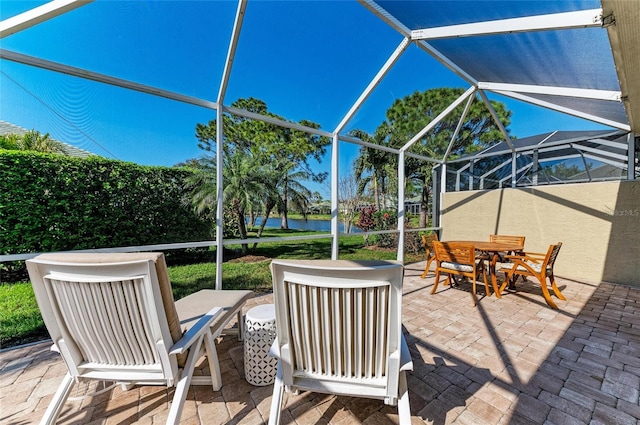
[{"x": 597, "y": 223}]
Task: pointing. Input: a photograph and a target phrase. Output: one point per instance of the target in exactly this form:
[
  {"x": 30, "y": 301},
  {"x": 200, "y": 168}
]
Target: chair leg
[
  {"x": 214, "y": 364},
  {"x": 276, "y": 399},
  {"x": 426, "y": 268},
  {"x": 435, "y": 284},
  {"x": 555, "y": 288},
  {"x": 545, "y": 292},
  {"x": 182, "y": 386},
  {"x": 474, "y": 295},
  {"x": 55, "y": 407},
  {"x": 507, "y": 279},
  {"x": 240, "y": 325},
  {"x": 486, "y": 283},
  {"x": 127, "y": 386},
  {"x": 404, "y": 411}
]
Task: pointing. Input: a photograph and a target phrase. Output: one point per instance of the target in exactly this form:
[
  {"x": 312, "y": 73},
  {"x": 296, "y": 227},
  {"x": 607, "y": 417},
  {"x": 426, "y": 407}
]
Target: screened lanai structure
[
  {"x": 579, "y": 58},
  {"x": 596, "y": 155}
]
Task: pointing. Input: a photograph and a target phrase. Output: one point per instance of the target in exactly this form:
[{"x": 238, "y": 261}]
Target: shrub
[
  {"x": 386, "y": 220},
  {"x": 366, "y": 221},
  {"x": 57, "y": 203}
]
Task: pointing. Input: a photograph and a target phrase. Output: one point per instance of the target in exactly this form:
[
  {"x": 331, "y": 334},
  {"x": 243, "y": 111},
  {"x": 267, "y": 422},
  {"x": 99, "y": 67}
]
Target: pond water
[{"x": 301, "y": 224}]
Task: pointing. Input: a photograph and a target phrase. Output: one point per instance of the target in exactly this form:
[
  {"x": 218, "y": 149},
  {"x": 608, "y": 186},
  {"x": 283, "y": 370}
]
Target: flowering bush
[
  {"x": 366, "y": 221},
  {"x": 386, "y": 220}
]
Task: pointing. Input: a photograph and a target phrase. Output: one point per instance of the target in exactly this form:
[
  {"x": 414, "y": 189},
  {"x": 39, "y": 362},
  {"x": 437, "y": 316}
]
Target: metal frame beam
[
  {"x": 38, "y": 15},
  {"x": 542, "y": 147},
  {"x": 470, "y": 91},
  {"x": 102, "y": 78},
  {"x": 231, "y": 53},
  {"x": 493, "y": 113},
  {"x": 233, "y": 43},
  {"x": 565, "y": 110},
  {"x": 374, "y": 8},
  {"x": 597, "y": 151},
  {"x": 459, "y": 126},
  {"x": 553, "y": 21},
  {"x": 335, "y": 157},
  {"x": 611, "y": 95},
  {"x": 402, "y": 47}
]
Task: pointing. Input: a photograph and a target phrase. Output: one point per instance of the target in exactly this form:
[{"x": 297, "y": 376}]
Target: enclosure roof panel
[
  {"x": 559, "y": 55},
  {"x": 579, "y": 57},
  {"x": 554, "y": 139}
]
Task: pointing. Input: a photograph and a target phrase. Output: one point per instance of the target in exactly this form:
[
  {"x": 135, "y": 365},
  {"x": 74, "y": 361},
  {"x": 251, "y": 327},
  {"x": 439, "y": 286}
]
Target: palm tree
[
  {"x": 372, "y": 166},
  {"x": 290, "y": 156},
  {"x": 244, "y": 183},
  {"x": 283, "y": 151},
  {"x": 293, "y": 193},
  {"x": 10, "y": 141},
  {"x": 32, "y": 140}
]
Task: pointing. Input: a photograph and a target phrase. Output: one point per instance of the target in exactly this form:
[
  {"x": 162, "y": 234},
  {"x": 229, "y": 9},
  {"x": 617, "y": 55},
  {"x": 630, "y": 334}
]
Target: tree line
[{"x": 266, "y": 168}]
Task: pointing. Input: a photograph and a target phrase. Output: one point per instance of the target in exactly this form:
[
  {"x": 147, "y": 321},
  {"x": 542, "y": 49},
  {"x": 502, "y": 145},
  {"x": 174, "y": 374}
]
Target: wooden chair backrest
[
  {"x": 427, "y": 241},
  {"x": 454, "y": 252},
  {"x": 508, "y": 239},
  {"x": 552, "y": 254}
]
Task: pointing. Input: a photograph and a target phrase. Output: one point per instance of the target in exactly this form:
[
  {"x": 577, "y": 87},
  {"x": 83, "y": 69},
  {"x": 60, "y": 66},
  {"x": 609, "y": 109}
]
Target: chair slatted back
[
  {"x": 552, "y": 254},
  {"x": 110, "y": 310},
  {"x": 508, "y": 239},
  {"x": 427, "y": 241},
  {"x": 340, "y": 332},
  {"x": 105, "y": 318},
  {"x": 338, "y": 321},
  {"x": 455, "y": 252}
]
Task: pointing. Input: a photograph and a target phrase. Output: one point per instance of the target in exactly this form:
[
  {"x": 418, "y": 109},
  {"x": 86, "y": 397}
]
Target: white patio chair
[
  {"x": 113, "y": 318},
  {"x": 339, "y": 331}
]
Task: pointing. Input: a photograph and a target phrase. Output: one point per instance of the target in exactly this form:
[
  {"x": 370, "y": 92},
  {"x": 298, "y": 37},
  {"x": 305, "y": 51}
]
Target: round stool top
[{"x": 262, "y": 313}]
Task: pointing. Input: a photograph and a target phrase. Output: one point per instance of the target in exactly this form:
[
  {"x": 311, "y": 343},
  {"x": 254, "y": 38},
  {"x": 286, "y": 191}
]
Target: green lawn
[{"x": 20, "y": 320}]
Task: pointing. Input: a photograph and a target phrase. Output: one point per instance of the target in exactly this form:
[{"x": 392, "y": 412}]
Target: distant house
[
  {"x": 322, "y": 207},
  {"x": 8, "y": 128},
  {"x": 413, "y": 205}
]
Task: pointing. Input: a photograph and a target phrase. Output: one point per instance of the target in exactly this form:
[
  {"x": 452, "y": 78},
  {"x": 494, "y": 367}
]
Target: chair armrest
[
  {"x": 405, "y": 355},
  {"x": 274, "y": 350},
  {"x": 195, "y": 331},
  {"x": 530, "y": 256}
]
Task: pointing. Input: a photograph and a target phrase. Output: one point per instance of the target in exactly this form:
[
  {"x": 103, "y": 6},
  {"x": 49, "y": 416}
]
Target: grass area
[
  {"x": 20, "y": 320},
  {"x": 309, "y": 216}
]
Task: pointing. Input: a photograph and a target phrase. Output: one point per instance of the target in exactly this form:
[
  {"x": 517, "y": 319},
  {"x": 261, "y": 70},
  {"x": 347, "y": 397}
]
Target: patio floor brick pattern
[{"x": 509, "y": 361}]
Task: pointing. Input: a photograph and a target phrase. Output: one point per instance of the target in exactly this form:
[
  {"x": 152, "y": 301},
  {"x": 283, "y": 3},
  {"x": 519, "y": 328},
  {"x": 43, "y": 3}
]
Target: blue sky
[{"x": 305, "y": 59}]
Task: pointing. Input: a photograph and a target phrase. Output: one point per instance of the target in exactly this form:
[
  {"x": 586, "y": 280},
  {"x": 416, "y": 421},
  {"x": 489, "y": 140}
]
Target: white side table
[{"x": 259, "y": 334}]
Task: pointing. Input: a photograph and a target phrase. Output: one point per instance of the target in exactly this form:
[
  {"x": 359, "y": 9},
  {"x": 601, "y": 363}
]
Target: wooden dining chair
[
  {"x": 427, "y": 241},
  {"x": 538, "y": 265},
  {"x": 509, "y": 239},
  {"x": 457, "y": 258},
  {"x": 506, "y": 239}
]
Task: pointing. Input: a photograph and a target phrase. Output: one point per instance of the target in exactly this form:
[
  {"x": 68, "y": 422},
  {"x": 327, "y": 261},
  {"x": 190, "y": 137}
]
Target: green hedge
[{"x": 52, "y": 202}]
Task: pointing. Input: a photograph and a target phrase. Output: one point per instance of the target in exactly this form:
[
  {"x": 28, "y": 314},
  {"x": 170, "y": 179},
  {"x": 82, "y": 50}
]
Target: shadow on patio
[{"x": 508, "y": 361}]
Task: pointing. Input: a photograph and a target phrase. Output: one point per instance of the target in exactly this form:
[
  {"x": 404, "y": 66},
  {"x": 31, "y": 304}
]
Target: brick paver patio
[{"x": 508, "y": 361}]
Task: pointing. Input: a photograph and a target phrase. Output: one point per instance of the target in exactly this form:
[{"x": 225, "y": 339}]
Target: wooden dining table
[{"x": 493, "y": 250}]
